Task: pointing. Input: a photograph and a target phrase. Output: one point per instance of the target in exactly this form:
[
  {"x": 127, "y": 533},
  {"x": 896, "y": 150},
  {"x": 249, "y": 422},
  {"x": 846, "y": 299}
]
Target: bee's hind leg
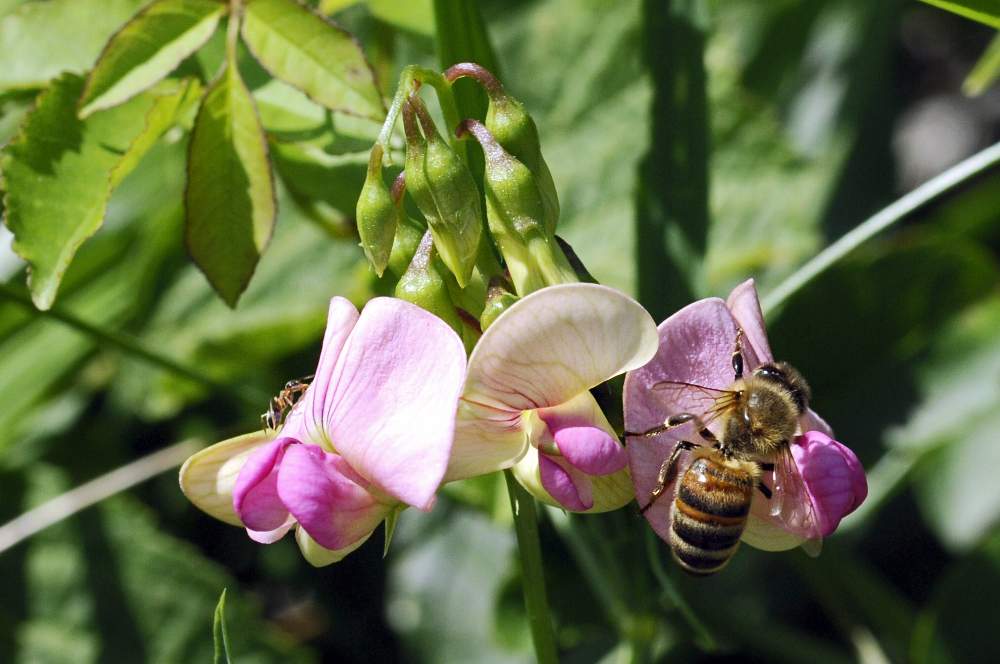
[
  {"x": 668, "y": 472},
  {"x": 766, "y": 467}
]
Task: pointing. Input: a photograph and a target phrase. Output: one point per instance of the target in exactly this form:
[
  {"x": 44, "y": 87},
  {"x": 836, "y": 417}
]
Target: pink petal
[
  {"x": 390, "y": 408},
  {"x": 335, "y": 511},
  {"x": 305, "y": 422},
  {"x": 833, "y": 477},
  {"x": 560, "y": 484},
  {"x": 745, "y": 307},
  {"x": 813, "y": 422},
  {"x": 255, "y": 495},
  {"x": 271, "y": 536},
  {"x": 696, "y": 346},
  {"x": 591, "y": 450},
  {"x": 583, "y": 436},
  {"x": 645, "y": 458}
]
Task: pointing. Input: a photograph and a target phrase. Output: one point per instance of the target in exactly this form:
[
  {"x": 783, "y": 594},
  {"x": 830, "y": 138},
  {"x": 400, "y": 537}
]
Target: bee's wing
[
  {"x": 707, "y": 402},
  {"x": 791, "y": 503}
]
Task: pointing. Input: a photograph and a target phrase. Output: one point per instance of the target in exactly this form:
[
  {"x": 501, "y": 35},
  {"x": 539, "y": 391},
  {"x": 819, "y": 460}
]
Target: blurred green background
[{"x": 694, "y": 143}]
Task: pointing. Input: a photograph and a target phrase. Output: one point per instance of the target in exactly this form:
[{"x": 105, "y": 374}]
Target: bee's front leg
[{"x": 668, "y": 472}]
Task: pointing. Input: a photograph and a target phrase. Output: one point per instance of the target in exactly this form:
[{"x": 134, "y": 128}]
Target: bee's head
[{"x": 787, "y": 377}]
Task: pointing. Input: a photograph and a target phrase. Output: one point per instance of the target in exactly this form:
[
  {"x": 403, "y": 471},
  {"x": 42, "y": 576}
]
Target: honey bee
[
  {"x": 758, "y": 417},
  {"x": 280, "y": 405}
]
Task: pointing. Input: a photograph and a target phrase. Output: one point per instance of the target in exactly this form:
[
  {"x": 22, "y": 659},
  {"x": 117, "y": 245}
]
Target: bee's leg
[
  {"x": 675, "y": 421},
  {"x": 766, "y": 467},
  {"x": 738, "y": 354},
  {"x": 668, "y": 472}
]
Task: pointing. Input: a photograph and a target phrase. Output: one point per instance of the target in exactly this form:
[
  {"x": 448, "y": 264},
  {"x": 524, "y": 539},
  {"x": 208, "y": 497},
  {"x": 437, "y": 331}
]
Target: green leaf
[
  {"x": 414, "y": 15},
  {"x": 318, "y": 57},
  {"x": 40, "y": 40},
  {"x": 148, "y": 48},
  {"x": 219, "y": 633},
  {"x": 229, "y": 201},
  {"x": 985, "y": 72},
  {"x": 59, "y": 172},
  {"x": 984, "y": 11}
]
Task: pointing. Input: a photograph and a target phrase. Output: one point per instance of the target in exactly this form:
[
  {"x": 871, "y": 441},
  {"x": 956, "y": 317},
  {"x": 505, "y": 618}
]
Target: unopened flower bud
[
  {"x": 498, "y": 299},
  {"x": 376, "y": 215},
  {"x": 514, "y": 129},
  {"x": 515, "y": 211},
  {"x": 424, "y": 285},
  {"x": 444, "y": 190}
]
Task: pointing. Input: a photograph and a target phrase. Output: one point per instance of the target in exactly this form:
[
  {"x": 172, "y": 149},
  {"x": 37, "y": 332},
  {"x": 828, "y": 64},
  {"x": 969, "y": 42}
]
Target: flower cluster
[{"x": 395, "y": 410}]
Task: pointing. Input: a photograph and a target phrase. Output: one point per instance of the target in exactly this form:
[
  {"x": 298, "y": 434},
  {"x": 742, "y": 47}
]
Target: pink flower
[
  {"x": 696, "y": 346},
  {"x": 372, "y": 434},
  {"x": 527, "y": 405}
]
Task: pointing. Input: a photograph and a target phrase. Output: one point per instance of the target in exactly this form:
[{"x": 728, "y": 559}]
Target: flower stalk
[{"x": 529, "y": 549}]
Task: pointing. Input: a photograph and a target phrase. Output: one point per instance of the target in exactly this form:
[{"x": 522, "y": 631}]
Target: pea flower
[
  {"x": 371, "y": 435},
  {"x": 696, "y": 346},
  {"x": 527, "y": 404}
]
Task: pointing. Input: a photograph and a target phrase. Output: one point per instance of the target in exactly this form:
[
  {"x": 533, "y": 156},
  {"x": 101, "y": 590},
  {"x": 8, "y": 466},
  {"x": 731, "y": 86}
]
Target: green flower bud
[
  {"x": 376, "y": 215},
  {"x": 515, "y": 211},
  {"x": 498, "y": 300},
  {"x": 425, "y": 286},
  {"x": 515, "y": 130},
  {"x": 444, "y": 190}
]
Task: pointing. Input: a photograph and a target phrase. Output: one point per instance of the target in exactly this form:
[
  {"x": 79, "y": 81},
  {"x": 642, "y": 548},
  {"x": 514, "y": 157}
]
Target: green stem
[
  {"x": 233, "y": 31},
  {"x": 881, "y": 220},
  {"x": 446, "y": 98},
  {"x": 131, "y": 346},
  {"x": 704, "y": 637},
  {"x": 532, "y": 575}
]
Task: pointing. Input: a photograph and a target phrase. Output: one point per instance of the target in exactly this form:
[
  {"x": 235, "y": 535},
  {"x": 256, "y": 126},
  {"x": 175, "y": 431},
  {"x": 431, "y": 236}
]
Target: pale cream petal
[
  {"x": 319, "y": 556},
  {"x": 207, "y": 478},
  {"x": 486, "y": 440},
  {"x": 761, "y": 533},
  {"x": 609, "y": 492},
  {"x": 556, "y": 343}
]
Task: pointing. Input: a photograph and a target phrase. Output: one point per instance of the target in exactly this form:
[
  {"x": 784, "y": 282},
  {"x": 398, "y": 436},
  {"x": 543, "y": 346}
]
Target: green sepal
[{"x": 390, "y": 527}]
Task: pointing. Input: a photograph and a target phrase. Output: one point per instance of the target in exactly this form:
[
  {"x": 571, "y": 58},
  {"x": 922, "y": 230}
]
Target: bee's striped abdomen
[{"x": 709, "y": 514}]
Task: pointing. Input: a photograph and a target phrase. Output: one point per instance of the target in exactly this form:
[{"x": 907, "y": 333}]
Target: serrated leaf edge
[
  {"x": 86, "y": 110},
  {"x": 338, "y": 28}
]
